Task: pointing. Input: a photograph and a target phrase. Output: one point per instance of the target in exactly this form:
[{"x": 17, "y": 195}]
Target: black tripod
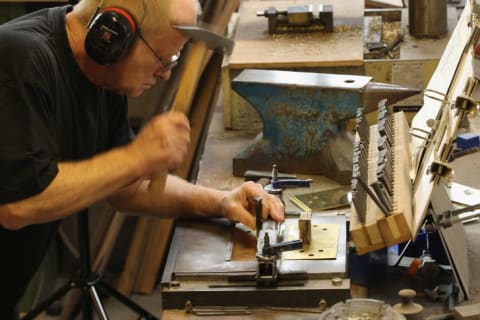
[{"x": 88, "y": 282}]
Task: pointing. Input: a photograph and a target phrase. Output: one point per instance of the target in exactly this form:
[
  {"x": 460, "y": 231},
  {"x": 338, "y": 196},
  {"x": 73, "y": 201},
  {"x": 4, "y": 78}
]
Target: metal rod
[{"x": 372, "y": 195}]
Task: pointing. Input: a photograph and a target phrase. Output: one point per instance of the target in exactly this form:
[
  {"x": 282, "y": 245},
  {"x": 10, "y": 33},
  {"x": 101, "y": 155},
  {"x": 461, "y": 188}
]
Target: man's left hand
[{"x": 239, "y": 204}]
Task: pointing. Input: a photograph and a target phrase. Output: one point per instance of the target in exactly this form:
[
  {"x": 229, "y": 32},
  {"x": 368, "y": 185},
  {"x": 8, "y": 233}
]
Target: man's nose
[{"x": 164, "y": 75}]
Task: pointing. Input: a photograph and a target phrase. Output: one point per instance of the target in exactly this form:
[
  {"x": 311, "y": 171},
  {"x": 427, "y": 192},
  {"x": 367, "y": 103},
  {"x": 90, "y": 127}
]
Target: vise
[
  {"x": 269, "y": 248},
  {"x": 299, "y": 18},
  {"x": 305, "y": 116}
]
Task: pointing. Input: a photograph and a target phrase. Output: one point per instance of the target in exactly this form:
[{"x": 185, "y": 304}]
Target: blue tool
[{"x": 468, "y": 140}]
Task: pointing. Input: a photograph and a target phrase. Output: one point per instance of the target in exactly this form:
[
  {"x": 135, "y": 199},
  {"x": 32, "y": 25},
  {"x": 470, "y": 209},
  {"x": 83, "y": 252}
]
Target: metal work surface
[{"x": 202, "y": 268}]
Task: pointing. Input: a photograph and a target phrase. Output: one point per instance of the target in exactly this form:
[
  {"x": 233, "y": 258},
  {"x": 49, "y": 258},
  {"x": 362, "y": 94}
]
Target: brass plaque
[{"x": 323, "y": 245}]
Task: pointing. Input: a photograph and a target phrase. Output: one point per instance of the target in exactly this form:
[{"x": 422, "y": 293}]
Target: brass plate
[
  {"x": 323, "y": 245},
  {"x": 323, "y": 200}
]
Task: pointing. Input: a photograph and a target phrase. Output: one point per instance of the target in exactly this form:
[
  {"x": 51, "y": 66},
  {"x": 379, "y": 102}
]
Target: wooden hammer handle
[{"x": 157, "y": 181}]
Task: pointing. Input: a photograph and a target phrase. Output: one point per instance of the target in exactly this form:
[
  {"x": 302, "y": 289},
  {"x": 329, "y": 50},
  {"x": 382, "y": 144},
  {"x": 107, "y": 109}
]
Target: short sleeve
[{"x": 28, "y": 152}]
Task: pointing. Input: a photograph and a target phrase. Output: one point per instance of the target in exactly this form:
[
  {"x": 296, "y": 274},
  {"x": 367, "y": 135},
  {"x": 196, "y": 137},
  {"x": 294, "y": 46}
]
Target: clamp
[{"x": 269, "y": 248}]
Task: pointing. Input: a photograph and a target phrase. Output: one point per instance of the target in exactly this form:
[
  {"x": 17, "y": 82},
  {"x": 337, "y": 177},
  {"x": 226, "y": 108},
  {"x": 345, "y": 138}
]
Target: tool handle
[
  {"x": 157, "y": 181},
  {"x": 258, "y": 214},
  {"x": 285, "y": 183},
  {"x": 275, "y": 248},
  {"x": 254, "y": 175}
]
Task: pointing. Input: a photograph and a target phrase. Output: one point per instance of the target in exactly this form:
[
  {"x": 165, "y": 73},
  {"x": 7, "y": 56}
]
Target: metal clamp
[
  {"x": 466, "y": 104},
  {"x": 440, "y": 169}
]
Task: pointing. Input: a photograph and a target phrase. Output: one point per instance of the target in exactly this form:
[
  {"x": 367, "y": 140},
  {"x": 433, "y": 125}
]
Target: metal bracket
[
  {"x": 440, "y": 169},
  {"x": 466, "y": 104}
]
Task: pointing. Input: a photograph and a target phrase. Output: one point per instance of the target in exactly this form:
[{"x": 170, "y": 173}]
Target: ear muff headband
[
  {"x": 110, "y": 35},
  {"x": 124, "y": 13}
]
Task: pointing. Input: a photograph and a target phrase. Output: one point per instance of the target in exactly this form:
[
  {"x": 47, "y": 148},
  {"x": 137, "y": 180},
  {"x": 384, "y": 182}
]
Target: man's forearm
[
  {"x": 76, "y": 186},
  {"x": 179, "y": 198}
]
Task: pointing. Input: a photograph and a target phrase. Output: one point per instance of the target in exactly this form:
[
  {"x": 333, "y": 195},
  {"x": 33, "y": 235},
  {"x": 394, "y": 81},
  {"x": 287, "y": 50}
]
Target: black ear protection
[{"x": 111, "y": 32}]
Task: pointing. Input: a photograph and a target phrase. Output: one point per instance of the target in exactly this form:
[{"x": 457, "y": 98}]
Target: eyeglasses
[{"x": 166, "y": 65}]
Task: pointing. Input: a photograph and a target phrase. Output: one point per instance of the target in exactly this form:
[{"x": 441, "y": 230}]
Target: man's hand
[
  {"x": 162, "y": 144},
  {"x": 239, "y": 205}
]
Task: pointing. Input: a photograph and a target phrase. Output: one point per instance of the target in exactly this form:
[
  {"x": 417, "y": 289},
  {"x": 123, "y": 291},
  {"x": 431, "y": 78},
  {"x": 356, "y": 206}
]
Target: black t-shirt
[{"x": 49, "y": 111}]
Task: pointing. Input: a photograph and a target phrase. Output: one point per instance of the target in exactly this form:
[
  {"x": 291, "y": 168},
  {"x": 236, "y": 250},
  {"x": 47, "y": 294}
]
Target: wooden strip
[
  {"x": 195, "y": 62},
  {"x": 135, "y": 255},
  {"x": 202, "y": 105}
]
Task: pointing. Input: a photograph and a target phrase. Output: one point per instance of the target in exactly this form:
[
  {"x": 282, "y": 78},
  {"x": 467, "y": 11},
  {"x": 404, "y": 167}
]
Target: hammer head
[{"x": 213, "y": 40}]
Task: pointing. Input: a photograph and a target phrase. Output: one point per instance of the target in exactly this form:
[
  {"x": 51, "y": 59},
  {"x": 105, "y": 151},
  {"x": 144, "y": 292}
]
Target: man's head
[{"x": 129, "y": 44}]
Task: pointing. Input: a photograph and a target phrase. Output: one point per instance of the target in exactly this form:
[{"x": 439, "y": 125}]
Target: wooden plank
[
  {"x": 201, "y": 107},
  {"x": 135, "y": 255},
  {"x": 447, "y": 82},
  {"x": 148, "y": 226},
  {"x": 198, "y": 57},
  {"x": 256, "y": 48}
]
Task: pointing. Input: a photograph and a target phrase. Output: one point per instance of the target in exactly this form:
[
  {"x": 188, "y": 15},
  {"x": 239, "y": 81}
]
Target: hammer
[{"x": 212, "y": 40}]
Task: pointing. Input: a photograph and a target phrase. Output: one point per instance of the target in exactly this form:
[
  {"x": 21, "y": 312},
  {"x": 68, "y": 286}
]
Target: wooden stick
[
  {"x": 195, "y": 63},
  {"x": 157, "y": 245}
]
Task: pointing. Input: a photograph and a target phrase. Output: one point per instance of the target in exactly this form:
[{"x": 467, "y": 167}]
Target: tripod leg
[
  {"x": 144, "y": 314},
  {"x": 98, "y": 304},
  {"x": 87, "y": 312},
  {"x": 42, "y": 306}
]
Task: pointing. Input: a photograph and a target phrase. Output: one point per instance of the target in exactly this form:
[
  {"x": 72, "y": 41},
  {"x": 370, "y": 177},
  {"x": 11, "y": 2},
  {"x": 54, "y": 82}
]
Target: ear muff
[{"x": 110, "y": 35}]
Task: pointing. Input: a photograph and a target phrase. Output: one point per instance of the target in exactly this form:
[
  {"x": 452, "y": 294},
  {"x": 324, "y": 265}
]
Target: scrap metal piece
[{"x": 323, "y": 200}]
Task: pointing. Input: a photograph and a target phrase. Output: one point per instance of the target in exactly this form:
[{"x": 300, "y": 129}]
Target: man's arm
[
  {"x": 76, "y": 186},
  {"x": 181, "y": 198},
  {"x": 161, "y": 145}
]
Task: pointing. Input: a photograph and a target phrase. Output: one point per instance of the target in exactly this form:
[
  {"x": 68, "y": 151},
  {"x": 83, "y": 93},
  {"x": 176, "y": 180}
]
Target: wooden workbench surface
[{"x": 256, "y": 48}]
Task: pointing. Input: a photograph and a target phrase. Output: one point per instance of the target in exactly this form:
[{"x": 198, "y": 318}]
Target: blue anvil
[{"x": 304, "y": 117}]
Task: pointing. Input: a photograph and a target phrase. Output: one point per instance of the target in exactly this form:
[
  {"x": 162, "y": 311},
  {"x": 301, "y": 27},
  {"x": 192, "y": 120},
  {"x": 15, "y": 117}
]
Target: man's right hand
[{"x": 162, "y": 143}]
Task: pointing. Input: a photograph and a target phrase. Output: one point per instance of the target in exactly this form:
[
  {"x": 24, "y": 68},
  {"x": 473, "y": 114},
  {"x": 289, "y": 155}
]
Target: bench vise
[
  {"x": 305, "y": 118},
  {"x": 269, "y": 248},
  {"x": 299, "y": 19}
]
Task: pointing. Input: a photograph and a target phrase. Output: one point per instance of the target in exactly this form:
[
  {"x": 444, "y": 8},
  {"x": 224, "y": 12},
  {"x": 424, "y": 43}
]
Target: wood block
[
  {"x": 467, "y": 312},
  {"x": 305, "y": 227}
]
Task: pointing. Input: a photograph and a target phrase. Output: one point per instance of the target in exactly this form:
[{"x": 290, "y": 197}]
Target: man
[{"x": 66, "y": 142}]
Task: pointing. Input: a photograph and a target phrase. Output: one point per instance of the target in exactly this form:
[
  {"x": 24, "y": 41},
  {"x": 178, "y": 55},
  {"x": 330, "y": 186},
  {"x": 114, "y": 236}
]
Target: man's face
[{"x": 145, "y": 63}]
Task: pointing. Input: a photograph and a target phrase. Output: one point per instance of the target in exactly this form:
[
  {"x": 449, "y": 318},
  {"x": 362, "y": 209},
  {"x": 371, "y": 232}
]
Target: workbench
[{"x": 215, "y": 170}]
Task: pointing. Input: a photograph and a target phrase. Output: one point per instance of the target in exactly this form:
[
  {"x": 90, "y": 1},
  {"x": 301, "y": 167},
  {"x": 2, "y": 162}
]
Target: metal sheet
[
  {"x": 199, "y": 248},
  {"x": 323, "y": 200},
  {"x": 323, "y": 245}
]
